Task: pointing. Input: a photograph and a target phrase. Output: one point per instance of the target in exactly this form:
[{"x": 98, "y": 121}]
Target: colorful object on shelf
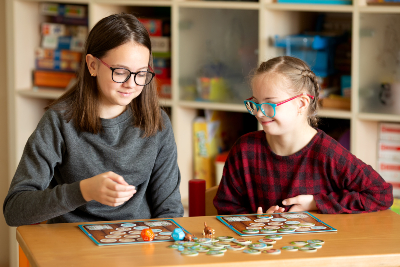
[
  {"x": 317, "y": 51},
  {"x": 197, "y": 192},
  {"x": 147, "y": 235},
  {"x": 178, "y": 234}
]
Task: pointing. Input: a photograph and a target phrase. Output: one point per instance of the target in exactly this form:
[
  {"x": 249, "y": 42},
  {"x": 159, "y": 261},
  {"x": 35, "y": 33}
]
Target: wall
[{"x": 4, "y": 229}]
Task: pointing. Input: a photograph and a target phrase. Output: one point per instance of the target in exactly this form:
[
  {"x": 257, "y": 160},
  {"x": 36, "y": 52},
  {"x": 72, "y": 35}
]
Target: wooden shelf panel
[
  {"x": 213, "y": 106},
  {"x": 220, "y": 4},
  {"x": 334, "y": 113},
  {"x": 45, "y": 93},
  {"x": 136, "y": 3},
  {"x": 379, "y": 117},
  {"x": 380, "y": 9},
  {"x": 310, "y": 8}
]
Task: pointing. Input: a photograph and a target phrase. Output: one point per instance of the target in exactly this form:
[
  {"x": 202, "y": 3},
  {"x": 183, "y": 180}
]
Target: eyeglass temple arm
[{"x": 283, "y": 102}]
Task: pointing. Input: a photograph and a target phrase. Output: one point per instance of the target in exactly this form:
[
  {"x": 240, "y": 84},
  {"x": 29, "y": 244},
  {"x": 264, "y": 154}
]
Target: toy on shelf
[
  {"x": 147, "y": 235},
  {"x": 208, "y": 232},
  {"x": 178, "y": 234}
]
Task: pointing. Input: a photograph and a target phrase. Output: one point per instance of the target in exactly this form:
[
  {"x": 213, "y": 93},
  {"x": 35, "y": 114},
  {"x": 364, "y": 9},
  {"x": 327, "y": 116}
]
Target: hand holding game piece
[
  {"x": 107, "y": 188},
  {"x": 273, "y": 209},
  {"x": 147, "y": 235},
  {"x": 301, "y": 203},
  {"x": 178, "y": 234}
]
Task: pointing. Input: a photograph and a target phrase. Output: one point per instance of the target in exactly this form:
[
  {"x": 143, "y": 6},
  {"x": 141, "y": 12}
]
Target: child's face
[
  {"x": 114, "y": 96},
  {"x": 275, "y": 88}
]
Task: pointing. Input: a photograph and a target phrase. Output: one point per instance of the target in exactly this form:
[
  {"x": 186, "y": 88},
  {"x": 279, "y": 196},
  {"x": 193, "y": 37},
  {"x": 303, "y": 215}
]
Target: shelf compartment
[
  {"x": 380, "y": 41},
  {"x": 215, "y": 61}
]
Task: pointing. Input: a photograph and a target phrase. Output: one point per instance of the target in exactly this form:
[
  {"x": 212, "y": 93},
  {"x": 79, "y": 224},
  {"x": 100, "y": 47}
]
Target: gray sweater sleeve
[
  {"x": 31, "y": 198},
  {"x": 163, "y": 190}
]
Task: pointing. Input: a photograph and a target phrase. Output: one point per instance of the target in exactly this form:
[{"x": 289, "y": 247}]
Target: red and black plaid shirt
[{"x": 254, "y": 177}]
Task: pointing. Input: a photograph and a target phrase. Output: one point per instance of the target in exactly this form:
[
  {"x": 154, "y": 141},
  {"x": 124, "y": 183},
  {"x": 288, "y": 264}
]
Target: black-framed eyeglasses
[{"x": 121, "y": 75}]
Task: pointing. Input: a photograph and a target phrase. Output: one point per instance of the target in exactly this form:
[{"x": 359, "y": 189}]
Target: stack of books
[
  {"x": 63, "y": 34},
  {"x": 160, "y": 35}
]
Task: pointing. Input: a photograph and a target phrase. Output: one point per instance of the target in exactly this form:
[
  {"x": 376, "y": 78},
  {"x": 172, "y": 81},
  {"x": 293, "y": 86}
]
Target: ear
[
  {"x": 304, "y": 102},
  {"x": 92, "y": 64}
]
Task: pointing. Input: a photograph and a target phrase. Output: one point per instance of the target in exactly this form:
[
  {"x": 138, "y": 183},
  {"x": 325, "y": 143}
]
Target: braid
[{"x": 314, "y": 90}]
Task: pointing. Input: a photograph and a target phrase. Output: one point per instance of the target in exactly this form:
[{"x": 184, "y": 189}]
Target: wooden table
[{"x": 371, "y": 239}]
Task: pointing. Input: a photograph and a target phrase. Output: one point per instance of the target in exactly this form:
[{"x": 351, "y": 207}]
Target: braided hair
[{"x": 301, "y": 78}]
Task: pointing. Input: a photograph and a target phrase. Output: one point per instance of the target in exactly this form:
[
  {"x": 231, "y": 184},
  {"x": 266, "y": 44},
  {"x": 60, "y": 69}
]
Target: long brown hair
[
  {"x": 302, "y": 79},
  {"x": 81, "y": 102}
]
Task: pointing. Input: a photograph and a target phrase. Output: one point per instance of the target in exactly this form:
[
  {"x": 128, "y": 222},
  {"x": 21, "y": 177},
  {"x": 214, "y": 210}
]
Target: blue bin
[{"x": 317, "y": 51}]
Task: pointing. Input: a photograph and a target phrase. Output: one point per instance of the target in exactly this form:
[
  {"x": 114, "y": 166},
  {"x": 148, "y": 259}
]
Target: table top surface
[{"x": 368, "y": 239}]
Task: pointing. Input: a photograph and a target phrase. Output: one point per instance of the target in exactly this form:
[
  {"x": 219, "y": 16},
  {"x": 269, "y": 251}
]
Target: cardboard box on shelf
[
  {"x": 389, "y": 150},
  {"x": 389, "y": 131}
]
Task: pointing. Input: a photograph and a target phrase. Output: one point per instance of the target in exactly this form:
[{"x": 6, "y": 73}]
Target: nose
[
  {"x": 259, "y": 113},
  {"x": 130, "y": 82}
]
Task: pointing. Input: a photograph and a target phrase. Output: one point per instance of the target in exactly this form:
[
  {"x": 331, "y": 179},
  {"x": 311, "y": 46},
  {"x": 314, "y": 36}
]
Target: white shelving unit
[{"x": 192, "y": 24}]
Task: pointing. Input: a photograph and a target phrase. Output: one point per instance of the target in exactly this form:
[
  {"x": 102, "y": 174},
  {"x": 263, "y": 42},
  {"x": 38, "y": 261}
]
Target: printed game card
[
  {"x": 281, "y": 223},
  {"x": 129, "y": 232}
]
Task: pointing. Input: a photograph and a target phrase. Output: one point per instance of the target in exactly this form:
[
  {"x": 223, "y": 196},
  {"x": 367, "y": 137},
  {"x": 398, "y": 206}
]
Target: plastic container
[{"x": 317, "y": 51}]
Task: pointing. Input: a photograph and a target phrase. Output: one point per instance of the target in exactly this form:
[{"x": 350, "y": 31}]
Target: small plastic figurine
[
  {"x": 178, "y": 234},
  {"x": 189, "y": 237},
  {"x": 208, "y": 232},
  {"x": 147, "y": 235}
]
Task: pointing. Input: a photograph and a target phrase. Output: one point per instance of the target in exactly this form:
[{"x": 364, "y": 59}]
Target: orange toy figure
[
  {"x": 147, "y": 235},
  {"x": 188, "y": 237},
  {"x": 208, "y": 232}
]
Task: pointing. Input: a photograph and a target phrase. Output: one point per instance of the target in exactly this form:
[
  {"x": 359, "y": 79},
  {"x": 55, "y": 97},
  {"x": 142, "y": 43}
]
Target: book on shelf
[
  {"x": 157, "y": 26},
  {"x": 55, "y": 64},
  {"x": 58, "y": 54},
  {"x": 65, "y": 10},
  {"x": 57, "y": 79},
  {"x": 58, "y": 29},
  {"x": 63, "y": 42}
]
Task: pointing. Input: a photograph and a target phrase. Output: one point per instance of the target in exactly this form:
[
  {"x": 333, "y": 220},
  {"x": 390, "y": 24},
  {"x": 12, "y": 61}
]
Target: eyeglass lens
[
  {"x": 141, "y": 78},
  {"x": 268, "y": 109}
]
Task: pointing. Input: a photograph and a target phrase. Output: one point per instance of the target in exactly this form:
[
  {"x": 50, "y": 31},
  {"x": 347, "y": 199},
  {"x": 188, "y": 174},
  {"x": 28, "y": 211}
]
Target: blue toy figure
[{"x": 178, "y": 234}]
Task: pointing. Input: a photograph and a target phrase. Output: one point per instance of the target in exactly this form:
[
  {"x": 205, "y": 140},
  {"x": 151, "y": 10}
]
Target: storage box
[
  {"x": 317, "y": 51},
  {"x": 163, "y": 87},
  {"x": 157, "y": 27},
  {"x": 390, "y": 172},
  {"x": 389, "y": 150},
  {"x": 160, "y": 44},
  {"x": 389, "y": 131}
]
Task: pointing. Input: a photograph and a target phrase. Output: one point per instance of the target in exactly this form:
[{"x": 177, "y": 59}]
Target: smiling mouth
[{"x": 266, "y": 122}]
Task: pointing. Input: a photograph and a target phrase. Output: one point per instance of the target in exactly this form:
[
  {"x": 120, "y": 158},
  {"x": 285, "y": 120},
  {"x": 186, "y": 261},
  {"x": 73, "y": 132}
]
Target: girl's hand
[
  {"x": 301, "y": 203},
  {"x": 107, "y": 188},
  {"x": 273, "y": 209}
]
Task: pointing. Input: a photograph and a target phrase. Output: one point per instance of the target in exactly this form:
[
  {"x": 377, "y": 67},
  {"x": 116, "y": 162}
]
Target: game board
[
  {"x": 280, "y": 223},
  {"x": 129, "y": 232}
]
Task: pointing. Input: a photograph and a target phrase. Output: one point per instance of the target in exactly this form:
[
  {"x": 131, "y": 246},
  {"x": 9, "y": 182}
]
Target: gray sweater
[{"x": 57, "y": 157}]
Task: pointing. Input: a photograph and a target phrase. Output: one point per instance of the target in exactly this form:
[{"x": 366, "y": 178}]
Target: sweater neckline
[
  {"x": 127, "y": 114},
  {"x": 298, "y": 153}
]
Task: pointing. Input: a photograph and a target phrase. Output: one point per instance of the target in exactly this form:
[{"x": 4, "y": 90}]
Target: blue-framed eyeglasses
[{"x": 268, "y": 109}]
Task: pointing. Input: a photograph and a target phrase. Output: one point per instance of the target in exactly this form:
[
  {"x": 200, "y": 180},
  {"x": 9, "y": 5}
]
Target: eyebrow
[
  {"x": 125, "y": 67},
  {"x": 265, "y": 99}
]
